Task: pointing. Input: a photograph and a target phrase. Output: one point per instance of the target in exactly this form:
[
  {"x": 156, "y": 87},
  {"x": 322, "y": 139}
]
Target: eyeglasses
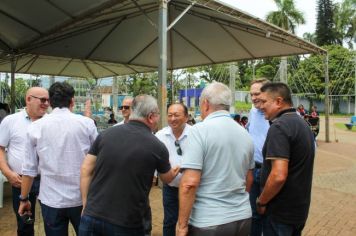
[
  {"x": 43, "y": 100},
  {"x": 124, "y": 107},
  {"x": 179, "y": 149}
]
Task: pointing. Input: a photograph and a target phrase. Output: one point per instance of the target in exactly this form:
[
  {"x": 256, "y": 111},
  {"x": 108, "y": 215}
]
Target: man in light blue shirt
[
  {"x": 257, "y": 127},
  {"x": 217, "y": 171}
]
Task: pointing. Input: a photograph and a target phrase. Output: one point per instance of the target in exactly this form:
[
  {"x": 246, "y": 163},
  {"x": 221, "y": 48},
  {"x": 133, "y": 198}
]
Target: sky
[{"x": 260, "y": 9}]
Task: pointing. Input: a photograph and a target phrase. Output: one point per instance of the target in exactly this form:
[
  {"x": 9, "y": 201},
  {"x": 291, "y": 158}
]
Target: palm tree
[
  {"x": 310, "y": 37},
  {"x": 287, "y": 17},
  {"x": 345, "y": 22}
]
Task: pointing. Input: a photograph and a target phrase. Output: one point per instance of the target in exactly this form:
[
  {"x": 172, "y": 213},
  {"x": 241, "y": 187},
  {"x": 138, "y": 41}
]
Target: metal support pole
[
  {"x": 115, "y": 102},
  {"x": 12, "y": 96},
  {"x": 283, "y": 71},
  {"x": 162, "y": 69},
  {"x": 233, "y": 69},
  {"x": 327, "y": 101}
]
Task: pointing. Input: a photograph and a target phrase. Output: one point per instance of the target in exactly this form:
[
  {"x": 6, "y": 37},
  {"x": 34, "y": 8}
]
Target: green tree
[
  {"x": 325, "y": 27},
  {"x": 21, "y": 88},
  {"x": 144, "y": 83},
  {"x": 311, "y": 37},
  {"x": 345, "y": 22},
  {"x": 287, "y": 16},
  {"x": 341, "y": 69}
]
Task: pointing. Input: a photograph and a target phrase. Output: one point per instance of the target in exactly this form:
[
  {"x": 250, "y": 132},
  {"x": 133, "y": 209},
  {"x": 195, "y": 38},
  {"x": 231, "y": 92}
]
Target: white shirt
[
  {"x": 13, "y": 135},
  {"x": 167, "y": 137},
  {"x": 120, "y": 123},
  {"x": 61, "y": 140}
]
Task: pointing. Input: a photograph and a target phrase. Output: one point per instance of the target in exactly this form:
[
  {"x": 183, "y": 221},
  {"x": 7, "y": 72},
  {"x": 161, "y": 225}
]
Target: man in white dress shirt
[
  {"x": 13, "y": 136},
  {"x": 174, "y": 136},
  {"x": 61, "y": 141}
]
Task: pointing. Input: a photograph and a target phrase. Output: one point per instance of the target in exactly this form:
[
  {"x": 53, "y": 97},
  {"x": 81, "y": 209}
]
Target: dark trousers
[
  {"x": 22, "y": 228},
  {"x": 236, "y": 228},
  {"x": 275, "y": 228},
  {"x": 170, "y": 205},
  {"x": 56, "y": 220},
  {"x": 256, "y": 224},
  {"x": 147, "y": 221},
  {"x": 92, "y": 226}
]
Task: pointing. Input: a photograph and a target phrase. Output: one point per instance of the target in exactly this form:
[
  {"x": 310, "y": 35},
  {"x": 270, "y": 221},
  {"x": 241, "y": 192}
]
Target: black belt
[
  {"x": 38, "y": 177},
  {"x": 258, "y": 165}
]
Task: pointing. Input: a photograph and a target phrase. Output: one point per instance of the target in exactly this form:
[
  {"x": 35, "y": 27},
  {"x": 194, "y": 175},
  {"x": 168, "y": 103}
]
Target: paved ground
[{"x": 333, "y": 207}]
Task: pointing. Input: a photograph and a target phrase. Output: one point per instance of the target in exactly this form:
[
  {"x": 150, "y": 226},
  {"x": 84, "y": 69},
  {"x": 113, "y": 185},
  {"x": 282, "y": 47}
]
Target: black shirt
[
  {"x": 290, "y": 137},
  {"x": 127, "y": 157}
]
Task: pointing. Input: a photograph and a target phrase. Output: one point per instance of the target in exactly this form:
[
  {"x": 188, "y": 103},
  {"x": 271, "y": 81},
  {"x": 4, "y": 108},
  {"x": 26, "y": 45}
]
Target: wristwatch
[
  {"x": 23, "y": 199},
  {"x": 258, "y": 204}
]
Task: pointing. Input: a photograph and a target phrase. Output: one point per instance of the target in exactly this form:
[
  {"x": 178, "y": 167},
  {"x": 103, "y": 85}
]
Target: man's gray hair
[
  {"x": 142, "y": 106},
  {"x": 218, "y": 95},
  {"x": 128, "y": 97}
]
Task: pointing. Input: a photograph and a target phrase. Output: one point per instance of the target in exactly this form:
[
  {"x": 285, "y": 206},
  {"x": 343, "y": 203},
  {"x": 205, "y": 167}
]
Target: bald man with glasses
[{"x": 13, "y": 136}]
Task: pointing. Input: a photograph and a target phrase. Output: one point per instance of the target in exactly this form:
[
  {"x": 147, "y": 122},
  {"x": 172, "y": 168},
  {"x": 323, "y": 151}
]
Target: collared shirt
[
  {"x": 167, "y": 137},
  {"x": 290, "y": 138},
  {"x": 13, "y": 135},
  {"x": 61, "y": 140},
  {"x": 127, "y": 156},
  {"x": 223, "y": 151},
  {"x": 257, "y": 127}
]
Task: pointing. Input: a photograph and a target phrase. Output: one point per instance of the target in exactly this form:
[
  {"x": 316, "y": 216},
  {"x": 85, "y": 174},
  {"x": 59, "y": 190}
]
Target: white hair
[
  {"x": 128, "y": 98},
  {"x": 218, "y": 95},
  {"x": 142, "y": 106}
]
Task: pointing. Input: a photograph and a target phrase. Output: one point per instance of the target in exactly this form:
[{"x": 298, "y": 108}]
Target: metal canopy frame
[{"x": 112, "y": 13}]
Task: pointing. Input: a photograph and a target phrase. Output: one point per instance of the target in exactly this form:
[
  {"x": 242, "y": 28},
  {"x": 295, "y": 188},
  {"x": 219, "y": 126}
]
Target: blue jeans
[
  {"x": 275, "y": 228},
  {"x": 22, "y": 228},
  {"x": 170, "y": 205},
  {"x": 56, "y": 220},
  {"x": 256, "y": 225},
  {"x": 92, "y": 226}
]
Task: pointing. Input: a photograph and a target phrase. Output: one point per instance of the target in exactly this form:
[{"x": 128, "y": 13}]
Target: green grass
[
  {"x": 343, "y": 127},
  {"x": 243, "y": 106}
]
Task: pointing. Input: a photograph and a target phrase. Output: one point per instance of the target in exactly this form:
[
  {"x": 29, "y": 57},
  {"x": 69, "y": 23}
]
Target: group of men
[{"x": 212, "y": 172}]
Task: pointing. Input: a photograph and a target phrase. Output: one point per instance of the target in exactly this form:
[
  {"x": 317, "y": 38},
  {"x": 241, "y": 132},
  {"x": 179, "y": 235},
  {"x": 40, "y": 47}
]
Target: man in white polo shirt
[
  {"x": 174, "y": 136},
  {"x": 61, "y": 141},
  {"x": 13, "y": 135}
]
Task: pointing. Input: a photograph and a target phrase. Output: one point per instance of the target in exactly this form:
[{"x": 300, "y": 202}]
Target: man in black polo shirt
[
  {"x": 287, "y": 170},
  {"x": 116, "y": 175}
]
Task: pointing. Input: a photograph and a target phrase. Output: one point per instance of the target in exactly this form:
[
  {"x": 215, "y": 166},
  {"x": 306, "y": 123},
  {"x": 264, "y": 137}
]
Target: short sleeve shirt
[
  {"x": 223, "y": 151},
  {"x": 290, "y": 138},
  {"x": 167, "y": 137},
  {"x": 127, "y": 157},
  {"x": 13, "y": 136}
]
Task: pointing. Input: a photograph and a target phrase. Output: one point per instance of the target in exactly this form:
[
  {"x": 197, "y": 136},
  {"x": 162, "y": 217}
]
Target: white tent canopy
[
  {"x": 91, "y": 38},
  {"x": 100, "y": 38}
]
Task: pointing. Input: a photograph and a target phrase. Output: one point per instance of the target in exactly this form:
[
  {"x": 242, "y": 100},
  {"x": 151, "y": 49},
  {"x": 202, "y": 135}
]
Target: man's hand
[
  {"x": 176, "y": 170},
  {"x": 14, "y": 179},
  {"x": 25, "y": 208},
  {"x": 261, "y": 210},
  {"x": 181, "y": 231}
]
